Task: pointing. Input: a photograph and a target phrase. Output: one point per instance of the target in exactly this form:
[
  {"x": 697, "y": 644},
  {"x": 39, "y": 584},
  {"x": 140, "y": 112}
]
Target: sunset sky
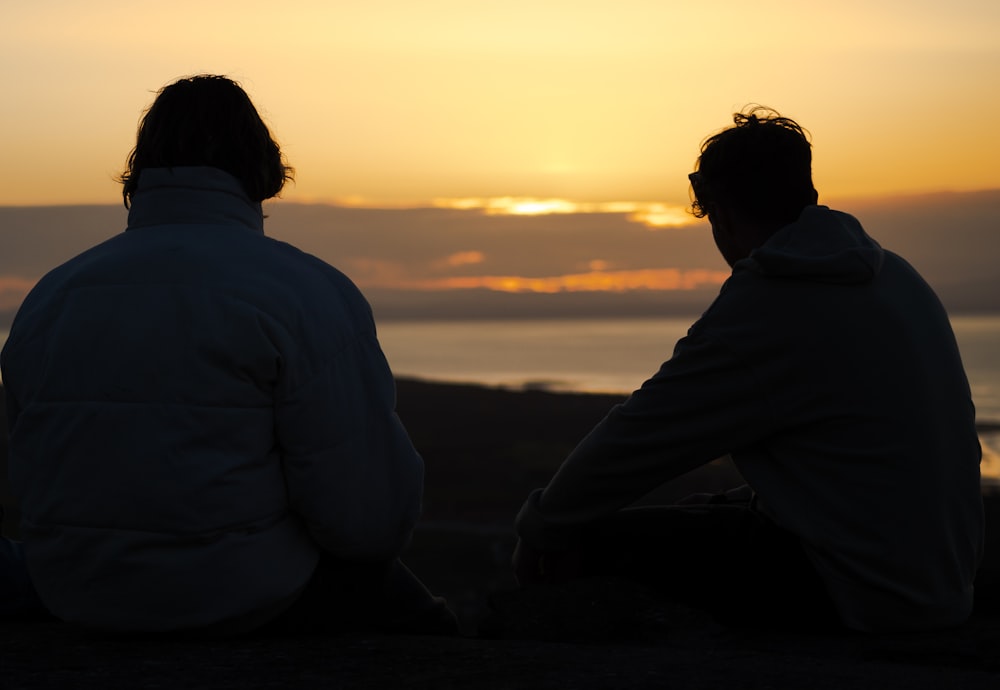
[
  {"x": 388, "y": 102},
  {"x": 430, "y": 135}
]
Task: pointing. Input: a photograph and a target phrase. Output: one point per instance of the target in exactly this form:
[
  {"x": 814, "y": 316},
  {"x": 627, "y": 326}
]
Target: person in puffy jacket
[
  {"x": 202, "y": 423},
  {"x": 827, "y": 369}
]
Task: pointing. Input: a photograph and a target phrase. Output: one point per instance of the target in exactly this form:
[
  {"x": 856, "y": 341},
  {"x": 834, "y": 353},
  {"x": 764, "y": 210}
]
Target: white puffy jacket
[{"x": 195, "y": 411}]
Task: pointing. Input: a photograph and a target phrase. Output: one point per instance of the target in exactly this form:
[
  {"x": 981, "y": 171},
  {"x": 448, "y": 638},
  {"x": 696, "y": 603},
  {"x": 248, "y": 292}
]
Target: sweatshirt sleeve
[
  {"x": 701, "y": 404},
  {"x": 351, "y": 471}
]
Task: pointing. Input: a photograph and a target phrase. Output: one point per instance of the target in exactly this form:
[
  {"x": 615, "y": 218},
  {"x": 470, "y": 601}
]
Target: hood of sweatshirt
[{"x": 823, "y": 246}]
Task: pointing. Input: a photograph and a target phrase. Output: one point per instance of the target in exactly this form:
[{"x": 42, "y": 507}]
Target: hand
[{"x": 739, "y": 495}]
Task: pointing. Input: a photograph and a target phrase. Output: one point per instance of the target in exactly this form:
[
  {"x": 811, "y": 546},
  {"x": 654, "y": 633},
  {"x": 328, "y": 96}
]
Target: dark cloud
[
  {"x": 953, "y": 239},
  {"x": 36, "y": 239},
  {"x": 530, "y": 246}
]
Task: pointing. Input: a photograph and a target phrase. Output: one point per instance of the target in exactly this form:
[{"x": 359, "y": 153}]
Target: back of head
[
  {"x": 760, "y": 169},
  {"x": 207, "y": 120}
]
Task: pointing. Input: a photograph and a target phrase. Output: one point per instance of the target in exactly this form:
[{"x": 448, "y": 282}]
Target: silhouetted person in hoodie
[
  {"x": 827, "y": 369},
  {"x": 202, "y": 423}
]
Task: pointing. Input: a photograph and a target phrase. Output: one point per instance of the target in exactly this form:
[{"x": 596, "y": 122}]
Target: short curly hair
[
  {"x": 207, "y": 120},
  {"x": 760, "y": 168}
]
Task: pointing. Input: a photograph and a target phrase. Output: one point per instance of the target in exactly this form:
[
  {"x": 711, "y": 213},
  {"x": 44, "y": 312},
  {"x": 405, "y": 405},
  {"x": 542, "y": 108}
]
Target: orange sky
[
  {"x": 394, "y": 101},
  {"x": 592, "y": 111}
]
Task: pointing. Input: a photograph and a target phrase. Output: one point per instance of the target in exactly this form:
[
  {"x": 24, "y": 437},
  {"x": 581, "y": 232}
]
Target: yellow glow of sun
[
  {"x": 464, "y": 258},
  {"x": 651, "y": 214},
  {"x": 591, "y": 281}
]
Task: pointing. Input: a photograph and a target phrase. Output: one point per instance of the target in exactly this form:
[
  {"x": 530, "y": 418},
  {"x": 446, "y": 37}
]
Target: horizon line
[{"x": 519, "y": 204}]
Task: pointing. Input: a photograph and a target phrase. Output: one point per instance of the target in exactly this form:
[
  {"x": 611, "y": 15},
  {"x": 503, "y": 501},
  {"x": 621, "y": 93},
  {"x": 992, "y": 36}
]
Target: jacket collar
[{"x": 192, "y": 195}]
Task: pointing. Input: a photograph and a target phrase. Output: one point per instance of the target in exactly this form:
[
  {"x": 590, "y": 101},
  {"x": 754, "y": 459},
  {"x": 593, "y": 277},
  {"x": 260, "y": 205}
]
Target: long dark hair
[{"x": 207, "y": 120}]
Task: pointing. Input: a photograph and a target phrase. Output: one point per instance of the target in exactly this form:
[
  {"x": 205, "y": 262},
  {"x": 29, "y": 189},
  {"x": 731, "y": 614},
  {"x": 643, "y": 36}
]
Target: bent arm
[
  {"x": 700, "y": 405},
  {"x": 351, "y": 471}
]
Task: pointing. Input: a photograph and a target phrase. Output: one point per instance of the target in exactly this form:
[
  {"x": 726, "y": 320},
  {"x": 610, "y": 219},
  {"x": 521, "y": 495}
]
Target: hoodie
[{"x": 827, "y": 369}]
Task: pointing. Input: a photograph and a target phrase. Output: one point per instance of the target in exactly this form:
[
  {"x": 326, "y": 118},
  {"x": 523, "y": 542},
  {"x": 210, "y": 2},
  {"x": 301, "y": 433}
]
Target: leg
[
  {"x": 379, "y": 597},
  {"x": 17, "y": 595},
  {"x": 721, "y": 557}
]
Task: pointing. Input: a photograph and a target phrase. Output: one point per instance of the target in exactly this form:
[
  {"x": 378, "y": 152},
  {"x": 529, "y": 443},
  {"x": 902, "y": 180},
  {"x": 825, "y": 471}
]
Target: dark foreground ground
[{"x": 485, "y": 449}]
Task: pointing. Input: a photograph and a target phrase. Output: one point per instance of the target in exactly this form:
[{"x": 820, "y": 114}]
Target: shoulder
[
  {"x": 67, "y": 273},
  {"x": 302, "y": 271},
  {"x": 742, "y": 297}
]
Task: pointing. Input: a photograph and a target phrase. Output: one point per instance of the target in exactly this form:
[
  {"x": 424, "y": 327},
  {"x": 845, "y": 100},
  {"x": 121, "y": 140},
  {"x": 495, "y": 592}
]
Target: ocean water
[
  {"x": 617, "y": 355},
  {"x": 606, "y": 355}
]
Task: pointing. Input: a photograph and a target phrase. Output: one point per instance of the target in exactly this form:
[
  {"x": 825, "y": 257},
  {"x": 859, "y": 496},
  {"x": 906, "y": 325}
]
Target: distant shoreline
[{"x": 982, "y": 426}]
